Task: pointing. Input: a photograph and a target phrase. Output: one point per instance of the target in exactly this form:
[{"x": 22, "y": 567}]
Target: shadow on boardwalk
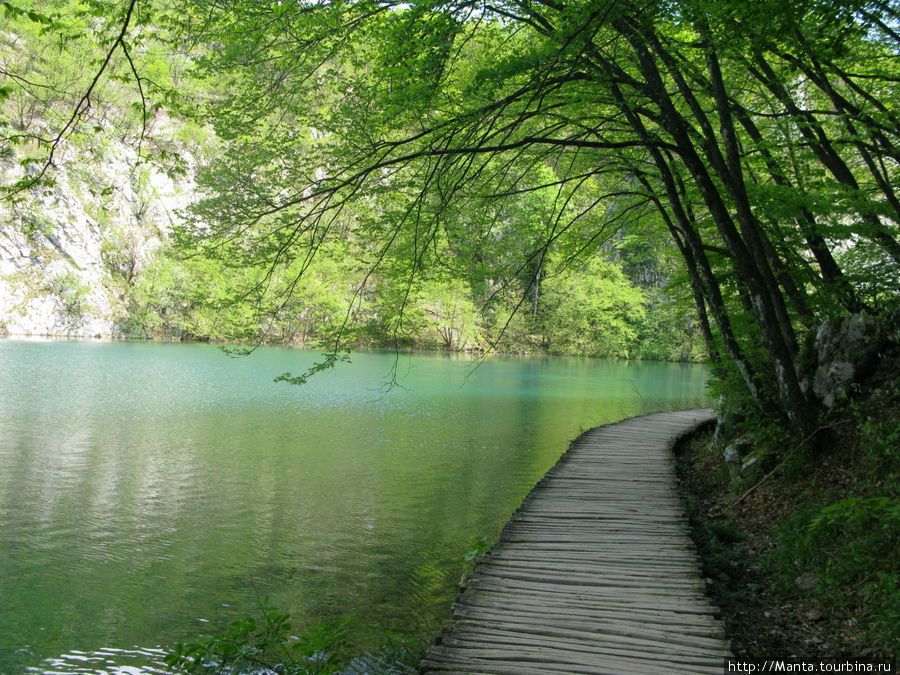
[{"x": 595, "y": 572}]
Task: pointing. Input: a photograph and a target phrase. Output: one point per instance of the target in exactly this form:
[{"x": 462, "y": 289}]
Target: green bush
[
  {"x": 267, "y": 644},
  {"x": 253, "y": 644},
  {"x": 880, "y": 451},
  {"x": 72, "y": 293}
]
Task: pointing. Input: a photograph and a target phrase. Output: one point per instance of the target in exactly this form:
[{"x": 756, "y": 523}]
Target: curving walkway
[{"x": 595, "y": 572}]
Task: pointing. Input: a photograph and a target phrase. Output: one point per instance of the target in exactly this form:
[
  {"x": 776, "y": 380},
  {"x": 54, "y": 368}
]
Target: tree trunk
[{"x": 747, "y": 252}]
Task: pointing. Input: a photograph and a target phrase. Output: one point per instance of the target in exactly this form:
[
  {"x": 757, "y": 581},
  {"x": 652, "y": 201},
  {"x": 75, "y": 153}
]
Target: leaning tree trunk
[{"x": 745, "y": 248}]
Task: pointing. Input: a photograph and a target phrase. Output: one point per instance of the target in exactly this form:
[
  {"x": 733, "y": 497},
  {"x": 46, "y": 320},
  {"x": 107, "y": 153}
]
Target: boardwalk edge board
[{"x": 595, "y": 572}]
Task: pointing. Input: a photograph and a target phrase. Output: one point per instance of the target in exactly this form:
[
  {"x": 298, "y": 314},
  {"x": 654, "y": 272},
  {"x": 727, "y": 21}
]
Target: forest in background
[
  {"x": 624, "y": 299},
  {"x": 563, "y": 178}
]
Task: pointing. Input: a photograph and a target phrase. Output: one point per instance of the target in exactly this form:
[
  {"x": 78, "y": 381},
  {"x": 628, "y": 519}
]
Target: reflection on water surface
[{"x": 149, "y": 493}]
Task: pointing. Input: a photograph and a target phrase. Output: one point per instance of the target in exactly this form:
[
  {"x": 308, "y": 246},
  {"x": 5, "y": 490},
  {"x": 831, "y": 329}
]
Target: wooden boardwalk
[{"x": 595, "y": 572}]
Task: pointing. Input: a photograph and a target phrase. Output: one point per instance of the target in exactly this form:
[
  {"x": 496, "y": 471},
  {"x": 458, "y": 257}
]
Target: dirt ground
[{"x": 732, "y": 529}]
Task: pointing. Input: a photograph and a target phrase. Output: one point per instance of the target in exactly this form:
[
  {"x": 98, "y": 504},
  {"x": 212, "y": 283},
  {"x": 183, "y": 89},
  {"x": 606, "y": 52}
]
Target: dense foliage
[
  {"x": 501, "y": 143},
  {"x": 342, "y": 296},
  {"x": 460, "y": 160}
]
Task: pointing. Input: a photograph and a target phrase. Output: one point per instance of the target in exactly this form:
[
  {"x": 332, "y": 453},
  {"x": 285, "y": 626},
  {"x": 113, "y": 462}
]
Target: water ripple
[
  {"x": 145, "y": 485},
  {"x": 106, "y": 661}
]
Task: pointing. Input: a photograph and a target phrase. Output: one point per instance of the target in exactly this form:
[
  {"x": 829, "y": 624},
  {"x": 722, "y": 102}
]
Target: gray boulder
[
  {"x": 735, "y": 453},
  {"x": 845, "y": 349}
]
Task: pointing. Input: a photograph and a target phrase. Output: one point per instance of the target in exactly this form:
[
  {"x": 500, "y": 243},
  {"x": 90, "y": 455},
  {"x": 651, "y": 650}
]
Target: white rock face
[{"x": 68, "y": 252}]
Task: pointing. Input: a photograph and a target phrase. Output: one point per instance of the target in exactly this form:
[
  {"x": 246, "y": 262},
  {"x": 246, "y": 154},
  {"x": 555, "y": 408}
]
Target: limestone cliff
[{"x": 70, "y": 251}]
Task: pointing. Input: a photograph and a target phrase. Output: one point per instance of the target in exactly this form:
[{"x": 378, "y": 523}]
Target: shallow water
[{"x": 150, "y": 493}]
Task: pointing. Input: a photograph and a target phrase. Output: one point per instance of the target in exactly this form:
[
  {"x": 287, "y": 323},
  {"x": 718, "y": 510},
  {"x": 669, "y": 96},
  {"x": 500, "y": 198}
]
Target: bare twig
[{"x": 84, "y": 103}]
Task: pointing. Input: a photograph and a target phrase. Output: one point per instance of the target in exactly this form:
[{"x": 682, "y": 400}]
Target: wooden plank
[
  {"x": 503, "y": 633},
  {"x": 587, "y": 606},
  {"x": 621, "y": 625},
  {"x": 560, "y": 660},
  {"x": 677, "y": 622},
  {"x": 594, "y": 568},
  {"x": 564, "y": 575},
  {"x": 651, "y": 599},
  {"x": 595, "y": 572}
]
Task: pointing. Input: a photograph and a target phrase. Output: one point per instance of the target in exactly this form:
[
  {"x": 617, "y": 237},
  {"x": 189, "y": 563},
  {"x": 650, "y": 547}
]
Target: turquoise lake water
[{"x": 149, "y": 493}]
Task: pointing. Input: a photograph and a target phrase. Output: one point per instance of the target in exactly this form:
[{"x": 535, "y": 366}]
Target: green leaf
[{"x": 39, "y": 18}]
